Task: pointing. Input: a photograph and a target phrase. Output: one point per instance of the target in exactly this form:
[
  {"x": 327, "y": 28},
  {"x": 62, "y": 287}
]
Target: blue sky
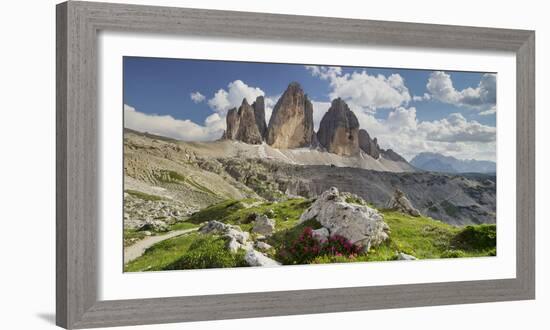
[{"x": 392, "y": 104}]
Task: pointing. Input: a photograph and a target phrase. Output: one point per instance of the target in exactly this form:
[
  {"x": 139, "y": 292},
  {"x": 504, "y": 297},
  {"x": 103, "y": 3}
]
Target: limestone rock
[
  {"x": 255, "y": 258},
  {"x": 338, "y": 131},
  {"x": 321, "y": 234},
  {"x": 368, "y": 145},
  {"x": 399, "y": 202},
  {"x": 232, "y": 120},
  {"x": 264, "y": 225},
  {"x": 259, "y": 115},
  {"x": 291, "y": 124},
  {"x": 359, "y": 224},
  {"x": 241, "y": 125},
  {"x": 263, "y": 246},
  {"x": 404, "y": 256}
]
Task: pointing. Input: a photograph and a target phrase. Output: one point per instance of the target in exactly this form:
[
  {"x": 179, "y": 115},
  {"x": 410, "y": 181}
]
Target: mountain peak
[
  {"x": 338, "y": 130},
  {"x": 291, "y": 124}
]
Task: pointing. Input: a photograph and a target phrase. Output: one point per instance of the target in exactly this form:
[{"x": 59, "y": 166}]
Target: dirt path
[{"x": 136, "y": 250}]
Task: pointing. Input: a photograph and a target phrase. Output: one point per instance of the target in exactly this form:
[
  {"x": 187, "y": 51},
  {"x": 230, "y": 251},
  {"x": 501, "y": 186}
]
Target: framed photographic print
[{"x": 216, "y": 165}]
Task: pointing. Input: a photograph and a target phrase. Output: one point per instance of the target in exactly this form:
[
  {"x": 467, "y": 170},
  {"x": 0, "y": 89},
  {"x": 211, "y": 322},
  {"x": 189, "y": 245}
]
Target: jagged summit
[
  {"x": 291, "y": 127},
  {"x": 338, "y": 131},
  {"x": 291, "y": 124},
  {"x": 241, "y": 125}
]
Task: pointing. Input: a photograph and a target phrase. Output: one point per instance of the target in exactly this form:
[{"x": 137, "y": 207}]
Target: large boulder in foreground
[
  {"x": 399, "y": 202},
  {"x": 338, "y": 130},
  {"x": 359, "y": 224},
  {"x": 291, "y": 124}
]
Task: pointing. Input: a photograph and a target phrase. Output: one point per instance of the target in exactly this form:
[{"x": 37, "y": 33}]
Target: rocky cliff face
[
  {"x": 338, "y": 131},
  {"x": 368, "y": 145},
  {"x": 291, "y": 124},
  {"x": 259, "y": 114},
  {"x": 241, "y": 125}
]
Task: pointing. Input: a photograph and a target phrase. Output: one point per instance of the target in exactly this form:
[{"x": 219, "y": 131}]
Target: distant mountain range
[{"x": 434, "y": 162}]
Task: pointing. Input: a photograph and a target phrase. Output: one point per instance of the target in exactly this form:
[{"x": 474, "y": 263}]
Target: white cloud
[
  {"x": 197, "y": 97},
  {"x": 324, "y": 72},
  {"x": 455, "y": 128},
  {"x": 237, "y": 90},
  {"x": 483, "y": 97},
  {"x": 169, "y": 126},
  {"x": 488, "y": 112},
  {"x": 454, "y": 135},
  {"x": 361, "y": 90}
]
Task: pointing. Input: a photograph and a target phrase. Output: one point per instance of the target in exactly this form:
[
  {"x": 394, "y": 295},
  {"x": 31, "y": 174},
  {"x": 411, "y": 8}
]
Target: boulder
[
  {"x": 264, "y": 225},
  {"x": 321, "y": 234},
  {"x": 291, "y": 124},
  {"x": 399, "y": 202},
  {"x": 359, "y": 224},
  {"x": 404, "y": 256},
  {"x": 368, "y": 145},
  {"x": 236, "y": 238},
  {"x": 263, "y": 246},
  {"x": 254, "y": 258},
  {"x": 338, "y": 130}
]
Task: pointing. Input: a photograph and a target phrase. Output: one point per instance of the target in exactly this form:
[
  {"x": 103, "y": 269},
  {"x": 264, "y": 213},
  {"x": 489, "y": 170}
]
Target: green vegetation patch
[
  {"x": 426, "y": 238},
  {"x": 285, "y": 213},
  {"x": 142, "y": 195},
  {"x": 208, "y": 251},
  {"x": 355, "y": 200},
  {"x": 162, "y": 254},
  {"x": 478, "y": 237}
]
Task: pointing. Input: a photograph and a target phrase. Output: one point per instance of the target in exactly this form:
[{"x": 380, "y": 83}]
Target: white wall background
[{"x": 27, "y": 163}]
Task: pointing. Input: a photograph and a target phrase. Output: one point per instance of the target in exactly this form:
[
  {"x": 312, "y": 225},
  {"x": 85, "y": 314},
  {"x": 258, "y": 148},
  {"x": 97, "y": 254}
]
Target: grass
[
  {"x": 422, "y": 237},
  {"x": 355, "y": 200},
  {"x": 162, "y": 254},
  {"x": 285, "y": 213},
  {"x": 208, "y": 251},
  {"x": 183, "y": 225},
  {"x": 426, "y": 238},
  {"x": 142, "y": 195}
]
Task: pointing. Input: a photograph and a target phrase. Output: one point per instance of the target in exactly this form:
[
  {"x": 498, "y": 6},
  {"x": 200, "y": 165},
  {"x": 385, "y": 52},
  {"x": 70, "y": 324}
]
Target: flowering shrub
[{"x": 307, "y": 247}]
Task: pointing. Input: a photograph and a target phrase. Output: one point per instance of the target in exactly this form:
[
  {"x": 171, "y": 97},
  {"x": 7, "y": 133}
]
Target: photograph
[{"x": 244, "y": 164}]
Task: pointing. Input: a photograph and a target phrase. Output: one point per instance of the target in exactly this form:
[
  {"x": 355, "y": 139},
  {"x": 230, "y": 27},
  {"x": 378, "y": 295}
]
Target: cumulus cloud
[
  {"x": 454, "y": 135},
  {"x": 168, "y": 126},
  {"x": 483, "y": 97},
  {"x": 362, "y": 90},
  {"x": 237, "y": 90},
  {"x": 197, "y": 97}
]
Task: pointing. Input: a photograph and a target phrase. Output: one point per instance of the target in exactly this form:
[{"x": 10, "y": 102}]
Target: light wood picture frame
[{"x": 78, "y": 24}]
